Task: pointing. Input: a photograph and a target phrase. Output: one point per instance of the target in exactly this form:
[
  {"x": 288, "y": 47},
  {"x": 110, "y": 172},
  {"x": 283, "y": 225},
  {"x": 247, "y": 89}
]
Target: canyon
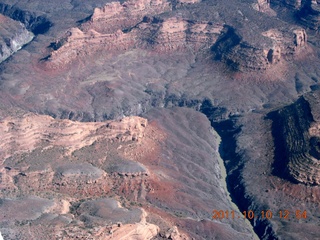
[{"x": 114, "y": 117}]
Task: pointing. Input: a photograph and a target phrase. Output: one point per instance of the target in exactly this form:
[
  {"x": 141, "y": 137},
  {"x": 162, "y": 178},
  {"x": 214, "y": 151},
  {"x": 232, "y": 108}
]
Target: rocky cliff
[
  {"x": 13, "y": 36},
  {"x": 310, "y": 14},
  {"x": 308, "y": 11},
  {"x": 118, "y": 27},
  {"x": 35, "y": 23},
  {"x": 245, "y": 50},
  {"x": 136, "y": 24},
  {"x": 298, "y": 128}
]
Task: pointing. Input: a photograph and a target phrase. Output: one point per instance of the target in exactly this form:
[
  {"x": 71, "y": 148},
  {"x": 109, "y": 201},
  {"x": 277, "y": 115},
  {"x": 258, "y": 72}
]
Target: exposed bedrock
[
  {"x": 171, "y": 171},
  {"x": 308, "y": 11},
  {"x": 35, "y": 23},
  {"x": 13, "y": 36},
  {"x": 296, "y": 133},
  {"x": 264, "y": 6},
  {"x": 137, "y": 24},
  {"x": 309, "y": 14},
  {"x": 133, "y": 24},
  {"x": 243, "y": 51}
]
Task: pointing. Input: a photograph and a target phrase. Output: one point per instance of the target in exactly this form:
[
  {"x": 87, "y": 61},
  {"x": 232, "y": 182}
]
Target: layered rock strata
[
  {"x": 13, "y": 36},
  {"x": 299, "y": 130},
  {"x": 113, "y": 180},
  {"x": 132, "y": 25},
  {"x": 28, "y": 132},
  {"x": 235, "y": 47},
  {"x": 177, "y": 34},
  {"x": 135, "y": 24}
]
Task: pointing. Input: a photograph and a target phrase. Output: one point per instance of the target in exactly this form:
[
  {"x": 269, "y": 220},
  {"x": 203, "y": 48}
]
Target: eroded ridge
[
  {"x": 26, "y": 133},
  {"x": 108, "y": 28},
  {"x": 137, "y": 24},
  {"x": 299, "y": 130},
  {"x": 133, "y": 24},
  {"x": 236, "y": 48}
]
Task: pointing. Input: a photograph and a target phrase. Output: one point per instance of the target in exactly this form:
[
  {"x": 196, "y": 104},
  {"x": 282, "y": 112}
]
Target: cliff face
[
  {"x": 118, "y": 27},
  {"x": 136, "y": 24},
  {"x": 177, "y": 34},
  {"x": 237, "y": 50},
  {"x": 310, "y": 14},
  {"x": 13, "y": 36},
  {"x": 308, "y": 11},
  {"x": 298, "y": 128},
  {"x": 32, "y": 21}
]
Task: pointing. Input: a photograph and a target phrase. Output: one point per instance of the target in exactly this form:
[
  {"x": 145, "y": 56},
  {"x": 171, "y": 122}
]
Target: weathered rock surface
[
  {"x": 133, "y": 25},
  {"x": 236, "y": 48},
  {"x": 310, "y": 14},
  {"x": 117, "y": 27},
  {"x": 34, "y": 22},
  {"x": 169, "y": 171},
  {"x": 155, "y": 166},
  {"x": 264, "y": 7},
  {"x": 13, "y": 36},
  {"x": 298, "y": 128},
  {"x": 30, "y": 130}
]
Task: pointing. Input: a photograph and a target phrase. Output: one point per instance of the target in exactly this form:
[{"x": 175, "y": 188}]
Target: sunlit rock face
[{"x": 13, "y": 36}]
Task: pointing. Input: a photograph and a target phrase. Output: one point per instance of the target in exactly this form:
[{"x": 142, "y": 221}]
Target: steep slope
[
  {"x": 165, "y": 174},
  {"x": 13, "y": 36}
]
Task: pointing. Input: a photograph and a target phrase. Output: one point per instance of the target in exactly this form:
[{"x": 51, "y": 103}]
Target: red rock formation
[{"x": 123, "y": 26}]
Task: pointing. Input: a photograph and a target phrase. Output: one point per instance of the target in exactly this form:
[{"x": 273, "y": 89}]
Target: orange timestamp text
[{"x": 264, "y": 214}]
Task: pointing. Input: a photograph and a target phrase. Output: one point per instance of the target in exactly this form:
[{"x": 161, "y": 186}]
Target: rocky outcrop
[
  {"x": 34, "y": 22},
  {"x": 244, "y": 52},
  {"x": 115, "y": 16},
  {"x": 309, "y": 14},
  {"x": 26, "y": 133},
  {"x": 295, "y": 125},
  {"x": 239, "y": 54},
  {"x": 263, "y": 6},
  {"x": 13, "y": 36},
  {"x": 156, "y": 172},
  {"x": 287, "y": 41},
  {"x": 308, "y": 11},
  {"x": 109, "y": 28},
  {"x": 177, "y": 34},
  {"x": 118, "y": 27}
]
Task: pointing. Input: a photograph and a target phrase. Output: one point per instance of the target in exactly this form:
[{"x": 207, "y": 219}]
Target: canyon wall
[
  {"x": 13, "y": 36},
  {"x": 299, "y": 131}
]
